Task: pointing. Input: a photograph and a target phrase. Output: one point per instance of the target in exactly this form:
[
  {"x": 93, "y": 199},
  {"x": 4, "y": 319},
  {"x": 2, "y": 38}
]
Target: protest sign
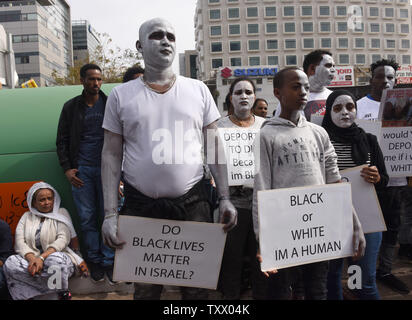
[
  {"x": 13, "y": 202},
  {"x": 238, "y": 145},
  {"x": 365, "y": 201},
  {"x": 169, "y": 252},
  {"x": 344, "y": 77},
  {"x": 404, "y": 74},
  {"x": 396, "y": 108},
  {"x": 305, "y": 225}
]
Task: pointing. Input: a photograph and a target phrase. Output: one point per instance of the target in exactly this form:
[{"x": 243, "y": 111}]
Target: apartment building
[
  {"x": 85, "y": 40},
  {"x": 269, "y": 34},
  {"x": 41, "y": 36}
]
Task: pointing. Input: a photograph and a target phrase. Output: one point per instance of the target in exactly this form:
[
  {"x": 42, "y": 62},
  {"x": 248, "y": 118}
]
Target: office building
[
  {"x": 85, "y": 40},
  {"x": 270, "y": 34},
  {"x": 41, "y": 36}
]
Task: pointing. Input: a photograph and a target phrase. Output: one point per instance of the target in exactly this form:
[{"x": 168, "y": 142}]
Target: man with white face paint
[
  {"x": 319, "y": 66},
  {"x": 159, "y": 118},
  {"x": 393, "y": 198}
]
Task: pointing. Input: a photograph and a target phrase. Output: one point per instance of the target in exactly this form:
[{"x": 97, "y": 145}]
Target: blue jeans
[
  {"x": 89, "y": 202},
  {"x": 369, "y": 290}
]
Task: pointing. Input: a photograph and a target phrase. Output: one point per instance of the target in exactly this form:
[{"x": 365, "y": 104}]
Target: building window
[
  {"x": 214, "y": 14},
  {"x": 234, "y": 46},
  {"x": 341, "y": 11},
  {"x": 217, "y": 63},
  {"x": 252, "y": 12},
  {"x": 306, "y": 11},
  {"x": 290, "y": 43},
  {"x": 343, "y": 43},
  {"x": 235, "y": 62},
  {"x": 373, "y": 12},
  {"x": 324, "y": 27},
  {"x": 360, "y": 59},
  {"x": 233, "y": 13},
  {"x": 390, "y": 44},
  {"x": 307, "y": 27},
  {"x": 253, "y": 45},
  {"x": 291, "y": 60},
  {"x": 216, "y": 47},
  {"x": 374, "y": 28},
  {"x": 270, "y": 11},
  {"x": 234, "y": 29},
  {"x": 273, "y": 60},
  {"x": 215, "y": 31},
  {"x": 404, "y": 28},
  {"x": 326, "y": 43},
  {"x": 389, "y": 27},
  {"x": 342, "y": 26},
  {"x": 271, "y": 28},
  {"x": 308, "y": 43},
  {"x": 391, "y": 57},
  {"x": 405, "y": 44},
  {"x": 288, "y": 11},
  {"x": 406, "y": 59},
  {"x": 22, "y": 60},
  {"x": 376, "y": 57},
  {"x": 359, "y": 43},
  {"x": 214, "y": 1},
  {"x": 324, "y": 11},
  {"x": 289, "y": 27},
  {"x": 343, "y": 59},
  {"x": 403, "y": 13},
  {"x": 252, "y": 28},
  {"x": 271, "y": 44},
  {"x": 254, "y": 61},
  {"x": 389, "y": 13},
  {"x": 375, "y": 43}
]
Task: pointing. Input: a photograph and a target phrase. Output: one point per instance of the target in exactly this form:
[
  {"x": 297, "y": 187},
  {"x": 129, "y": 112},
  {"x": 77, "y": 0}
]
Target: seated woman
[
  {"x": 44, "y": 262},
  {"x": 355, "y": 147}
]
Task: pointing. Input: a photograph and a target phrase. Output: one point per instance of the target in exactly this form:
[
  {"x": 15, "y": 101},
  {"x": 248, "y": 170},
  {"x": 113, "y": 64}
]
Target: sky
[{"x": 121, "y": 19}]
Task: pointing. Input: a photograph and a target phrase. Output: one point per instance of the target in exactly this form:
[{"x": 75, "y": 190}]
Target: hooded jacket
[{"x": 291, "y": 155}]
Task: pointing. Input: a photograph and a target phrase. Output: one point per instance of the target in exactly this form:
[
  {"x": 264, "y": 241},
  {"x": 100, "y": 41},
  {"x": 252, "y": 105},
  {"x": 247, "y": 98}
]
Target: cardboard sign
[
  {"x": 305, "y": 225},
  {"x": 396, "y": 108},
  {"x": 344, "y": 77},
  {"x": 365, "y": 201},
  {"x": 238, "y": 146},
  {"x": 13, "y": 202},
  {"x": 169, "y": 252}
]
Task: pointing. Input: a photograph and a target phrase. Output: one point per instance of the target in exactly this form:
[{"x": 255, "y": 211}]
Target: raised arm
[{"x": 112, "y": 156}]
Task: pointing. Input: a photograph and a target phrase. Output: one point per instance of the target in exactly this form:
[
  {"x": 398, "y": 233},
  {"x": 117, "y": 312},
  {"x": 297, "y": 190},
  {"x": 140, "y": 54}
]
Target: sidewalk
[{"x": 401, "y": 269}]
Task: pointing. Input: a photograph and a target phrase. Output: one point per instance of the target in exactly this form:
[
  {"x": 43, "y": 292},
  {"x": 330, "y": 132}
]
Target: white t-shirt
[
  {"x": 369, "y": 109},
  {"x": 162, "y": 134},
  {"x": 318, "y": 97}
]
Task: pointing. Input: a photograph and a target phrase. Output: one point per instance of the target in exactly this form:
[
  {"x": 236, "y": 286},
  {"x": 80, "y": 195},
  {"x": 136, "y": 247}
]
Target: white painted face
[
  {"x": 243, "y": 98},
  {"x": 389, "y": 77},
  {"x": 343, "y": 111},
  {"x": 157, "y": 43},
  {"x": 324, "y": 73}
]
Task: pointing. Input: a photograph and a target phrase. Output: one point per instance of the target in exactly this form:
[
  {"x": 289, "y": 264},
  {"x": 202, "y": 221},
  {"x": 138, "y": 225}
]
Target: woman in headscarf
[
  {"x": 44, "y": 262},
  {"x": 355, "y": 147}
]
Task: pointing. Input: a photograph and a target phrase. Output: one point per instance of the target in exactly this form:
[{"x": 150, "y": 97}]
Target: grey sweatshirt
[{"x": 292, "y": 156}]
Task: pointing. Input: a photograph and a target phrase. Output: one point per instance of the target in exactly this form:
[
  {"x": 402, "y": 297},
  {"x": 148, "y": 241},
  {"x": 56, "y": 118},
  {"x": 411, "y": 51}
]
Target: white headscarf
[{"x": 55, "y": 214}]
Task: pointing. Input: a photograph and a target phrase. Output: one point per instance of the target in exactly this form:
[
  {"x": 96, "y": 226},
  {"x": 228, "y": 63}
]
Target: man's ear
[
  {"x": 276, "y": 92},
  {"x": 311, "y": 69},
  {"x": 139, "y": 46}
]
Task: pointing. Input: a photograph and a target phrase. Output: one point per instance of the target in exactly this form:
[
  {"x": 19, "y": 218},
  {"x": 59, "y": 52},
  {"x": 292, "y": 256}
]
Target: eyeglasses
[{"x": 159, "y": 35}]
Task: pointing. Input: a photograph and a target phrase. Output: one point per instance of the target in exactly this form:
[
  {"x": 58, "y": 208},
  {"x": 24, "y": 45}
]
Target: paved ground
[{"x": 402, "y": 269}]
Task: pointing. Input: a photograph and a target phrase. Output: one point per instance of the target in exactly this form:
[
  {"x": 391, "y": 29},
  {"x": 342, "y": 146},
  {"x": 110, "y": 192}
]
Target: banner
[
  {"x": 238, "y": 145},
  {"x": 344, "y": 77},
  {"x": 169, "y": 252},
  {"x": 365, "y": 201},
  {"x": 305, "y": 225}
]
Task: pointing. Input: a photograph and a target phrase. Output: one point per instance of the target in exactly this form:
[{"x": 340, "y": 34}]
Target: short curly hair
[{"x": 382, "y": 63}]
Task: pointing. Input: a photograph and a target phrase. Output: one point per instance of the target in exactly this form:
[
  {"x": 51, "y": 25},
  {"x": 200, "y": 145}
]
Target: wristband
[
  {"x": 41, "y": 258},
  {"x": 110, "y": 216}
]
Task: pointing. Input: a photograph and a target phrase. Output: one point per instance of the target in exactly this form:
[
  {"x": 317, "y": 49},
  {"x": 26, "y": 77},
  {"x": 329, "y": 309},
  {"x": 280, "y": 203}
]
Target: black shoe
[
  {"x": 109, "y": 274},
  {"x": 65, "y": 295},
  {"x": 96, "y": 272},
  {"x": 393, "y": 282}
]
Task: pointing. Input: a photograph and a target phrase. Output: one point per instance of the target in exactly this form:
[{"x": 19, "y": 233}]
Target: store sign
[
  {"x": 404, "y": 74},
  {"x": 249, "y": 72},
  {"x": 344, "y": 77}
]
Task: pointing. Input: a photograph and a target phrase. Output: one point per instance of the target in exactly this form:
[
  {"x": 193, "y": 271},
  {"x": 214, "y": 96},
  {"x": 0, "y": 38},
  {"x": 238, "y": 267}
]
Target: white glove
[
  {"x": 109, "y": 233},
  {"x": 228, "y": 215}
]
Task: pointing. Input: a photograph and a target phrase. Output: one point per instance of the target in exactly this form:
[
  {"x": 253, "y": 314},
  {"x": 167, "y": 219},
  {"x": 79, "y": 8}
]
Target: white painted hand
[
  {"x": 109, "y": 233},
  {"x": 227, "y": 214}
]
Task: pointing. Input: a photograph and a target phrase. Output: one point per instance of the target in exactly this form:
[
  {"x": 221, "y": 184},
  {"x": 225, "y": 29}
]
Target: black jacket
[{"x": 70, "y": 129}]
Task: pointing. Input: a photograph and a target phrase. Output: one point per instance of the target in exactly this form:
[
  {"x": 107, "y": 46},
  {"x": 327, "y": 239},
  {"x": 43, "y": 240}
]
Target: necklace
[
  {"x": 242, "y": 123},
  {"x": 164, "y": 90}
]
